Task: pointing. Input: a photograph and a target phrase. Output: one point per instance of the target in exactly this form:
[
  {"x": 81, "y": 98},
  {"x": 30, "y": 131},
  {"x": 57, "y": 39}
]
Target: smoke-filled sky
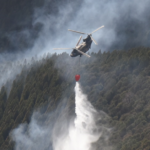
[
  {"x": 34, "y": 28},
  {"x": 127, "y": 24}
]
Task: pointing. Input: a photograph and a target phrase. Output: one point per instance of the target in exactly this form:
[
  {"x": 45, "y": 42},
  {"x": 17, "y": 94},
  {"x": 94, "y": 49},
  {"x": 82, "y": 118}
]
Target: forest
[{"x": 116, "y": 82}]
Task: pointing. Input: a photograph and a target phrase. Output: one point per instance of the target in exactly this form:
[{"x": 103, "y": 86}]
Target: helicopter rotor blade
[
  {"x": 61, "y": 48},
  {"x": 83, "y": 53},
  {"x": 97, "y": 29},
  {"x": 77, "y": 31},
  {"x": 79, "y": 41},
  {"x": 93, "y": 40}
]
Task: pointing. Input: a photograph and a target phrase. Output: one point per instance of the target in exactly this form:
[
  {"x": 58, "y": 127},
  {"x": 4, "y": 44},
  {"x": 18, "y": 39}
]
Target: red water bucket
[{"x": 77, "y": 77}]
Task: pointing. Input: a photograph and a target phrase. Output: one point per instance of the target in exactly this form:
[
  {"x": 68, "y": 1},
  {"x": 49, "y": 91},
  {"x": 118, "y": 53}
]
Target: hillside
[{"x": 117, "y": 83}]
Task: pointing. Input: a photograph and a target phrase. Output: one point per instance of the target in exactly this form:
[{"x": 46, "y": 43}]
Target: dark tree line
[{"x": 116, "y": 82}]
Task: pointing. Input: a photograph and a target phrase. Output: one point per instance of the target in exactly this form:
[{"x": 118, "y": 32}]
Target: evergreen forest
[{"x": 116, "y": 82}]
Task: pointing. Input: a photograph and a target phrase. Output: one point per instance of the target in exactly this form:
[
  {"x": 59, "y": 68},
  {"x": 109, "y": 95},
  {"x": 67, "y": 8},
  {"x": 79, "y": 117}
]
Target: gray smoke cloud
[
  {"x": 55, "y": 131},
  {"x": 126, "y": 26}
]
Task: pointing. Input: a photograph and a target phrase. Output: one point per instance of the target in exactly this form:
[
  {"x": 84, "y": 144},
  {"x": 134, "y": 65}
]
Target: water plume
[{"x": 55, "y": 131}]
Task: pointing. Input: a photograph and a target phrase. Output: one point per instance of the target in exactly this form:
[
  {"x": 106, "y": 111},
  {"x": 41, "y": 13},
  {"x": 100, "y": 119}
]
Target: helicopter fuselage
[{"x": 84, "y": 47}]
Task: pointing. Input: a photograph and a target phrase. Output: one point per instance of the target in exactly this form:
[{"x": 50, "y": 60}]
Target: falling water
[{"x": 85, "y": 132}]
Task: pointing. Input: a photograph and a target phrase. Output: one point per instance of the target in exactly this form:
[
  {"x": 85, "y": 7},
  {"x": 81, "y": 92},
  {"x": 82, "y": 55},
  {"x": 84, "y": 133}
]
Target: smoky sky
[
  {"x": 30, "y": 28},
  {"x": 126, "y": 24},
  {"x": 24, "y": 24}
]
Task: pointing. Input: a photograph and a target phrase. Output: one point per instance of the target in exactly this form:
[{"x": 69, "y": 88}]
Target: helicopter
[{"x": 81, "y": 49}]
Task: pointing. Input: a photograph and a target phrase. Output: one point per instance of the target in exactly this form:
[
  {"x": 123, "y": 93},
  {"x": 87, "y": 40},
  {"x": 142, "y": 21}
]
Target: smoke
[
  {"x": 127, "y": 25},
  {"x": 56, "y": 131}
]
